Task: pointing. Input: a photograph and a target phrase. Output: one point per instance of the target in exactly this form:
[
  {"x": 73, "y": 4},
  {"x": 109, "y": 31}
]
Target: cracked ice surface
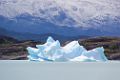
[{"x": 73, "y": 51}]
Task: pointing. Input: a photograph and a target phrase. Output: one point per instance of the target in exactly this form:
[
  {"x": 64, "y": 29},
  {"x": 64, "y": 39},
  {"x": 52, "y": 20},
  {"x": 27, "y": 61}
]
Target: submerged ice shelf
[{"x": 73, "y": 51}]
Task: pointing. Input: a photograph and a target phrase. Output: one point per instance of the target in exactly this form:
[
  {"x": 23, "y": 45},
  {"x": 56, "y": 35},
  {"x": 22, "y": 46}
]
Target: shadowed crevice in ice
[{"x": 52, "y": 51}]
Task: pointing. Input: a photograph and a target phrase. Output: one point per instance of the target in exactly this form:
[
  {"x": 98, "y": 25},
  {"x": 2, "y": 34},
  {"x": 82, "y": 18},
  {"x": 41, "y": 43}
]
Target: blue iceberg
[{"x": 73, "y": 51}]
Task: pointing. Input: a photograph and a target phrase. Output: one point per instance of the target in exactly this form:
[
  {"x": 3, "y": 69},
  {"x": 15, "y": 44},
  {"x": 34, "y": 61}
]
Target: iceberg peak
[{"x": 50, "y": 39}]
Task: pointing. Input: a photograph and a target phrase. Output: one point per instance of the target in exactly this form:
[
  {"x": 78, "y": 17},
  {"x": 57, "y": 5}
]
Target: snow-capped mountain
[{"x": 68, "y": 17}]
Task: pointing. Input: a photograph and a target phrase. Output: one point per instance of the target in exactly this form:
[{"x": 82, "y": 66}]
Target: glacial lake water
[{"x": 29, "y": 70}]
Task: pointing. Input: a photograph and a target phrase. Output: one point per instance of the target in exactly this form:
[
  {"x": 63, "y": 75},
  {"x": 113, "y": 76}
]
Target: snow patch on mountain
[{"x": 71, "y": 13}]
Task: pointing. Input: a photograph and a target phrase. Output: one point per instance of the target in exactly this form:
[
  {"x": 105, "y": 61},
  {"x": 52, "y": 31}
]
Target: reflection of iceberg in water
[{"x": 52, "y": 51}]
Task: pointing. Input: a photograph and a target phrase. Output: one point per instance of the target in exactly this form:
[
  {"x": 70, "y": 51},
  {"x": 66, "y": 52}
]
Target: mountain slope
[{"x": 68, "y": 18}]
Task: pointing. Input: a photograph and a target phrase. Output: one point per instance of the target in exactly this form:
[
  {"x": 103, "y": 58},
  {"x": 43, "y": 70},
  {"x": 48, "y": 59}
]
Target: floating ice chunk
[
  {"x": 97, "y": 54},
  {"x": 52, "y": 51},
  {"x": 73, "y": 49}
]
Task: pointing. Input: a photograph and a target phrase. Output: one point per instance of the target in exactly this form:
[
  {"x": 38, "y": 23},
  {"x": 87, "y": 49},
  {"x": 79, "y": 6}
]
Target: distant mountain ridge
[{"x": 38, "y": 37}]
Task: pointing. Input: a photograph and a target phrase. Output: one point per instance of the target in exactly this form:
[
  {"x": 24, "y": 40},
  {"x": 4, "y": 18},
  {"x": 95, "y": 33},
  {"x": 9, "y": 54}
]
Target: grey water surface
[{"x": 29, "y": 70}]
